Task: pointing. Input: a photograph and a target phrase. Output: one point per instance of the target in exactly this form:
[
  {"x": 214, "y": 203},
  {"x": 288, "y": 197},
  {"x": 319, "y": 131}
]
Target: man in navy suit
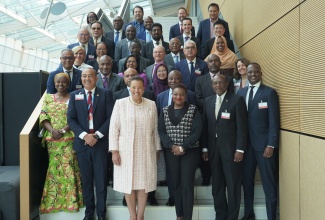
[
  {"x": 89, "y": 114},
  {"x": 205, "y": 31},
  {"x": 118, "y": 33},
  {"x": 83, "y": 38},
  {"x": 191, "y": 67},
  {"x": 156, "y": 34},
  {"x": 97, "y": 36},
  {"x": 225, "y": 136},
  {"x": 263, "y": 129},
  {"x": 176, "y": 29},
  {"x": 67, "y": 60}
]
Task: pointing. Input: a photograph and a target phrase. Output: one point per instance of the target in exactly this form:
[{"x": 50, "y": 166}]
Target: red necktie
[{"x": 90, "y": 109}]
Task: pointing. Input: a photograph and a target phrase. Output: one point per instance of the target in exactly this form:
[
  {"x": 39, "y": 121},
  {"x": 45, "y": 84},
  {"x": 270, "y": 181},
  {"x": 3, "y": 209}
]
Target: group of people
[{"x": 132, "y": 108}]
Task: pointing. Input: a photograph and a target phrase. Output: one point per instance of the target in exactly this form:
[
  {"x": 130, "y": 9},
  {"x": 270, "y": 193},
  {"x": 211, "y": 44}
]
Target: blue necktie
[
  {"x": 192, "y": 68},
  {"x": 116, "y": 37},
  {"x": 186, "y": 39},
  {"x": 175, "y": 59},
  {"x": 148, "y": 36}
]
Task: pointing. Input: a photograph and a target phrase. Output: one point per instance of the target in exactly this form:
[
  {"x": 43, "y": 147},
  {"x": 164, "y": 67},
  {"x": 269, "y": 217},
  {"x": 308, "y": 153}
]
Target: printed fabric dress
[{"x": 62, "y": 189}]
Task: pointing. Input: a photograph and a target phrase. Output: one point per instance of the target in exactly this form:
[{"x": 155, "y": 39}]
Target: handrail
[{"x": 25, "y": 162}]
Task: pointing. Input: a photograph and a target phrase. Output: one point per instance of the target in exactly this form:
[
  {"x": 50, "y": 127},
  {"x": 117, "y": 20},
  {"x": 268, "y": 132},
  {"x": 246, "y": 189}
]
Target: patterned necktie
[
  {"x": 95, "y": 41},
  {"x": 148, "y": 36},
  {"x": 250, "y": 97},
  {"x": 116, "y": 37},
  {"x": 192, "y": 68},
  {"x": 218, "y": 105},
  {"x": 90, "y": 108},
  {"x": 157, "y": 42},
  {"x": 105, "y": 82},
  {"x": 137, "y": 27}
]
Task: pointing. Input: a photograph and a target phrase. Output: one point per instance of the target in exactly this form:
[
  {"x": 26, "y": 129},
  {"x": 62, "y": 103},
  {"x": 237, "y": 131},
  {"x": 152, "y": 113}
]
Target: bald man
[{"x": 118, "y": 33}]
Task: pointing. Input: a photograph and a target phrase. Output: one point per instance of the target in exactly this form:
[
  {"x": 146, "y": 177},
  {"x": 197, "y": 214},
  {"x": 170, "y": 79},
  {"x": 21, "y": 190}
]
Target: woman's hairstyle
[
  {"x": 137, "y": 78},
  {"x": 96, "y": 18},
  {"x": 181, "y": 86},
  {"x": 62, "y": 74},
  {"x": 245, "y": 61},
  {"x": 77, "y": 48},
  {"x": 102, "y": 42},
  {"x": 126, "y": 60}
]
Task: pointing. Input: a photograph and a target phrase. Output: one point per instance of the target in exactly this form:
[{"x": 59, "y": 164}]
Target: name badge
[
  {"x": 225, "y": 115},
  {"x": 79, "y": 97},
  {"x": 237, "y": 84},
  {"x": 78, "y": 86},
  {"x": 197, "y": 72},
  {"x": 262, "y": 105},
  {"x": 91, "y": 57}
]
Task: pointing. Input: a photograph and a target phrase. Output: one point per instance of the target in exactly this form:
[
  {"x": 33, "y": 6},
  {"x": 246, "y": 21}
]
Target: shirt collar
[
  {"x": 175, "y": 54},
  {"x": 64, "y": 70},
  {"x": 194, "y": 61},
  {"x": 212, "y": 75},
  {"x": 256, "y": 85},
  {"x": 92, "y": 91},
  {"x": 222, "y": 96}
]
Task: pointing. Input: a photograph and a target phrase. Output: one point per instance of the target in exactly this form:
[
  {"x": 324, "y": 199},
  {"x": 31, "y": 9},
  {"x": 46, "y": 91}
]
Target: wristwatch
[
  {"x": 62, "y": 131},
  {"x": 181, "y": 149}
]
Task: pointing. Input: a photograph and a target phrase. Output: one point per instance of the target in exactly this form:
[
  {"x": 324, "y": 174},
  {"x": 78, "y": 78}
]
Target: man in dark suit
[
  {"x": 159, "y": 56},
  {"x": 67, "y": 60},
  {"x": 97, "y": 36},
  {"x": 122, "y": 47},
  {"x": 83, "y": 38},
  {"x": 263, "y": 144},
  {"x": 89, "y": 114},
  {"x": 106, "y": 78},
  {"x": 135, "y": 49},
  {"x": 156, "y": 34},
  {"x": 128, "y": 74},
  {"x": 176, "y": 29},
  {"x": 187, "y": 26},
  {"x": 205, "y": 31},
  {"x": 219, "y": 30},
  {"x": 118, "y": 33},
  {"x": 225, "y": 136},
  {"x": 176, "y": 54},
  {"x": 191, "y": 67}
]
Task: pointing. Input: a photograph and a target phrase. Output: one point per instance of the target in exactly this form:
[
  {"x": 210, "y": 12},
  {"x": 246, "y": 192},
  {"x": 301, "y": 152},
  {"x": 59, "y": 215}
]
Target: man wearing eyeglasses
[
  {"x": 67, "y": 60},
  {"x": 83, "y": 38},
  {"x": 97, "y": 36}
]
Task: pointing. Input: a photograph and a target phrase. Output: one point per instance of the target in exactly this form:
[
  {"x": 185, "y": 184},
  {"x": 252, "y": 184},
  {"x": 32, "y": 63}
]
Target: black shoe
[
  {"x": 88, "y": 218},
  {"x": 170, "y": 201},
  {"x": 249, "y": 217},
  {"x": 152, "y": 201},
  {"x": 205, "y": 181},
  {"x": 124, "y": 201},
  {"x": 101, "y": 218}
]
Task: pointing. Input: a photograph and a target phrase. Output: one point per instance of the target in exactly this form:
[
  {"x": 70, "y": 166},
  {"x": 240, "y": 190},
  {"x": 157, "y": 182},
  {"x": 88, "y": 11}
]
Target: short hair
[
  {"x": 214, "y": 5},
  {"x": 137, "y": 78},
  {"x": 66, "y": 49},
  {"x": 77, "y": 48},
  {"x": 245, "y": 61},
  {"x": 256, "y": 64},
  {"x": 98, "y": 22},
  {"x": 183, "y": 9},
  {"x": 219, "y": 22},
  {"x": 102, "y": 42},
  {"x": 83, "y": 29},
  {"x": 139, "y": 7},
  {"x": 136, "y": 41},
  {"x": 190, "y": 41},
  {"x": 187, "y": 19},
  {"x": 181, "y": 86},
  {"x": 126, "y": 60},
  {"x": 62, "y": 74},
  {"x": 89, "y": 14},
  {"x": 156, "y": 25}
]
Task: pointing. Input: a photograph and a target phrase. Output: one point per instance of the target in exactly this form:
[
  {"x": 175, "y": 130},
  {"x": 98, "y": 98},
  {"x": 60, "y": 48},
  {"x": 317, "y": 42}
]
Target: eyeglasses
[
  {"x": 83, "y": 35},
  {"x": 67, "y": 58},
  {"x": 189, "y": 48}
]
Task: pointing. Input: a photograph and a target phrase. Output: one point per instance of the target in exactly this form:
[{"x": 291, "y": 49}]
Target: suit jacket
[
  {"x": 125, "y": 93},
  {"x": 109, "y": 43},
  {"x": 264, "y": 123},
  {"x": 122, "y": 49},
  {"x": 175, "y": 31},
  {"x": 203, "y": 88},
  {"x": 170, "y": 60},
  {"x": 94, "y": 64},
  {"x": 91, "y": 52},
  {"x": 197, "y": 42},
  {"x": 204, "y": 32},
  {"x": 162, "y": 99},
  {"x": 209, "y": 44},
  {"x": 115, "y": 82},
  {"x": 147, "y": 50},
  {"x": 110, "y": 35},
  {"x": 77, "y": 117},
  {"x": 231, "y": 133},
  {"x": 74, "y": 85},
  {"x": 143, "y": 64},
  {"x": 149, "y": 70},
  {"x": 188, "y": 79}
]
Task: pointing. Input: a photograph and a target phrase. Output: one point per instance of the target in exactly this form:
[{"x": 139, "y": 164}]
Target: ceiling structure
[{"x": 30, "y": 22}]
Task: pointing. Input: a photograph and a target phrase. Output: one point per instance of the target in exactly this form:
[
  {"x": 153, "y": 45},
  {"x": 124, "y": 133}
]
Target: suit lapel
[
  {"x": 258, "y": 94},
  {"x": 96, "y": 97},
  {"x": 224, "y": 105},
  {"x": 111, "y": 81}
]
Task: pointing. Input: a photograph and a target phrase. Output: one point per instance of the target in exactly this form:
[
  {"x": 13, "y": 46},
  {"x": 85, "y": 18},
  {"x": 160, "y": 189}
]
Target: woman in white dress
[{"x": 134, "y": 142}]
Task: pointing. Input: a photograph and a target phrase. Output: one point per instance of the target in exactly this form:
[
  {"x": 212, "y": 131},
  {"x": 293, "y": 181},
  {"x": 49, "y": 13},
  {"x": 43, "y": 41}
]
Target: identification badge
[
  {"x": 91, "y": 57},
  {"x": 197, "y": 72},
  {"x": 225, "y": 115},
  {"x": 79, "y": 97},
  {"x": 262, "y": 105},
  {"x": 91, "y": 123},
  {"x": 78, "y": 86}
]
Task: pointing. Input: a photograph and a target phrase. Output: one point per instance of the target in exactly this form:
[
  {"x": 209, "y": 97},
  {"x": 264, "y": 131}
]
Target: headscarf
[
  {"x": 158, "y": 84},
  {"x": 227, "y": 57}
]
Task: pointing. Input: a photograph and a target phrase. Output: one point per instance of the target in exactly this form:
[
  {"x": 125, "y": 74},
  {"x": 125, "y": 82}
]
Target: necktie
[
  {"x": 157, "y": 43},
  {"x": 90, "y": 111},
  {"x": 218, "y": 105},
  {"x": 95, "y": 42},
  {"x": 116, "y": 37},
  {"x": 148, "y": 36},
  {"x": 181, "y": 29},
  {"x": 176, "y": 59},
  {"x": 70, "y": 74},
  {"x": 105, "y": 82},
  {"x": 137, "y": 27},
  {"x": 250, "y": 97},
  {"x": 192, "y": 68},
  {"x": 186, "y": 39}
]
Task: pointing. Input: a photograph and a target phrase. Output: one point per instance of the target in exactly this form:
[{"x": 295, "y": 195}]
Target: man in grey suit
[
  {"x": 122, "y": 47},
  {"x": 158, "y": 55},
  {"x": 135, "y": 49},
  {"x": 175, "y": 54},
  {"x": 107, "y": 79},
  {"x": 117, "y": 33}
]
